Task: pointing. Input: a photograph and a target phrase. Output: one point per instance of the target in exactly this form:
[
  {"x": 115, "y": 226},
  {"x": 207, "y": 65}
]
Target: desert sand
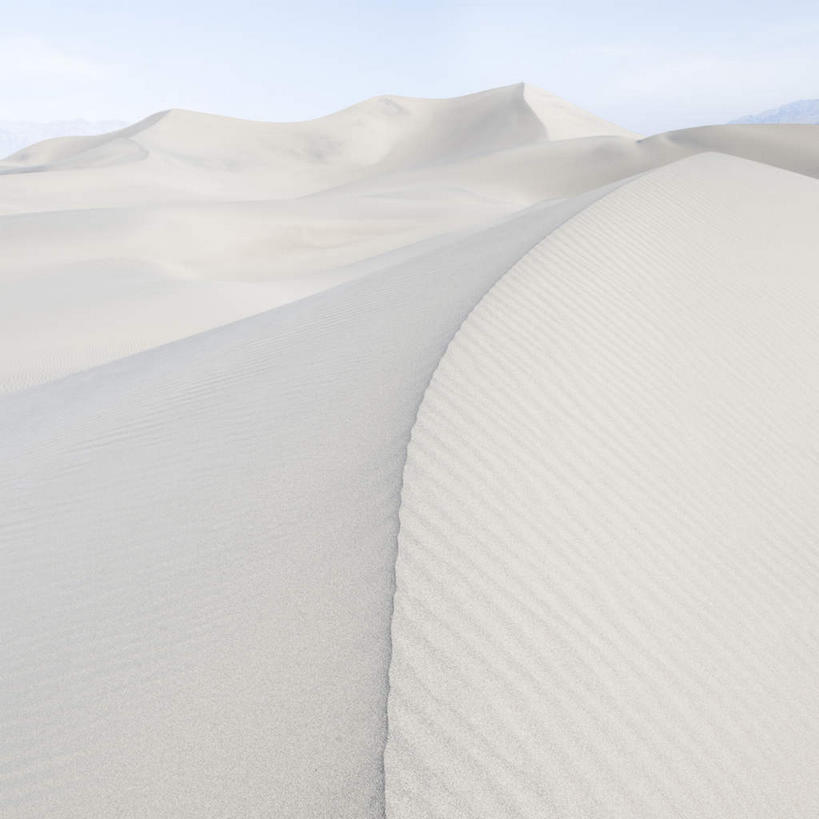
[
  {"x": 433, "y": 458},
  {"x": 607, "y": 561}
]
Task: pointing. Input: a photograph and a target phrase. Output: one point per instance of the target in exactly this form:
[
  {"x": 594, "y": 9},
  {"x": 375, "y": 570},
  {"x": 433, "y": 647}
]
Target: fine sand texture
[
  {"x": 432, "y": 458},
  {"x": 607, "y": 563}
]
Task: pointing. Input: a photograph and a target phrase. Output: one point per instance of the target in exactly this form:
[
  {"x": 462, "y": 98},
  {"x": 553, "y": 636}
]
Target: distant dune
[
  {"x": 802, "y": 112},
  {"x": 15, "y": 135},
  {"x": 118, "y": 242},
  {"x": 434, "y": 458}
]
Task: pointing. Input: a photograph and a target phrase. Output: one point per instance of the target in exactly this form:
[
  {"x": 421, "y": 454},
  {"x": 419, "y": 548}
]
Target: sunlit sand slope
[{"x": 607, "y": 563}]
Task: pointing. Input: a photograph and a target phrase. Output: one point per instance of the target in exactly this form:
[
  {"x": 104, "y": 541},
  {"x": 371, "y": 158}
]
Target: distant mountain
[
  {"x": 17, "y": 135},
  {"x": 801, "y": 112}
]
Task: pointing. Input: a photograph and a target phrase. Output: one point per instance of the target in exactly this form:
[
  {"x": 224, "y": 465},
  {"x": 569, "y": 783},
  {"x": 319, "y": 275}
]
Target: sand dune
[
  {"x": 230, "y": 604},
  {"x": 606, "y": 576},
  {"x": 215, "y": 338},
  {"x": 383, "y": 132},
  {"x": 186, "y": 221}
]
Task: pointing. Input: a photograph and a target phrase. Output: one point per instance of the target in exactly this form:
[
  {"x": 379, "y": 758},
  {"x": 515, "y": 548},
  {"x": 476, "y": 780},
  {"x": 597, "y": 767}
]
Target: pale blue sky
[{"x": 650, "y": 66}]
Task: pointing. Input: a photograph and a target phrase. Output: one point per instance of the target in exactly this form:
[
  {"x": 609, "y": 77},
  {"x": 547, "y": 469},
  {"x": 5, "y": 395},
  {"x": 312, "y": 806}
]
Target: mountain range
[{"x": 801, "y": 112}]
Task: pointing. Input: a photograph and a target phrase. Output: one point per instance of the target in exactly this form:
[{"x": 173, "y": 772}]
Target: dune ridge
[
  {"x": 383, "y": 131},
  {"x": 218, "y": 339},
  {"x": 198, "y": 551}
]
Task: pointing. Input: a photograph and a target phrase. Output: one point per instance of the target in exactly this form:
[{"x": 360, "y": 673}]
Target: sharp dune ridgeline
[{"x": 433, "y": 458}]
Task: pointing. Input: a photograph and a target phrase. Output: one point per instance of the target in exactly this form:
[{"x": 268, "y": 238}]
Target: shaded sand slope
[
  {"x": 82, "y": 288},
  {"x": 198, "y": 546},
  {"x": 606, "y": 576}
]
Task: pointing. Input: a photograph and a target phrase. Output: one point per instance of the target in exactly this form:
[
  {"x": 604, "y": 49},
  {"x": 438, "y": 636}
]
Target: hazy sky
[{"x": 650, "y": 66}]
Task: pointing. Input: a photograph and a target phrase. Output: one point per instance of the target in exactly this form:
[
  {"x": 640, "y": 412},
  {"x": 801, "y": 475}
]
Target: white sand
[
  {"x": 606, "y": 586},
  {"x": 198, "y": 553},
  {"x": 186, "y": 221},
  {"x": 200, "y": 518},
  {"x": 117, "y": 243}
]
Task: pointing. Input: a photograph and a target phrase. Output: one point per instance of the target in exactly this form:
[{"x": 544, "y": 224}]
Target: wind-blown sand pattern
[
  {"x": 215, "y": 336},
  {"x": 606, "y": 580}
]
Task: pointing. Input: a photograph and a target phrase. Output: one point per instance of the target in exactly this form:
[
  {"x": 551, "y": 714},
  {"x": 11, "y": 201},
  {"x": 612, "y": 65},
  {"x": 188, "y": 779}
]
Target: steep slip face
[
  {"x": 607, "y": 562},
  {"x": 197, "y": 551},
  {"x": 562, "y": 120}
]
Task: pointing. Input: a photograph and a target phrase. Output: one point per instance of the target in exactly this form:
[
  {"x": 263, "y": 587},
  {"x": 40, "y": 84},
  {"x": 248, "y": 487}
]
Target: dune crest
[
  {"x": 232, "y": 628},
  {"x": 387, "y": 131},
  {"x": 226, "y": 346}
]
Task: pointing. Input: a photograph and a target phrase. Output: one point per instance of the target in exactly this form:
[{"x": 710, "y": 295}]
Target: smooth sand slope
[
  {"x": 607, "y": 563},
  {"x": 198, "y": 547},
  {"x": 215, "y": 336}
]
